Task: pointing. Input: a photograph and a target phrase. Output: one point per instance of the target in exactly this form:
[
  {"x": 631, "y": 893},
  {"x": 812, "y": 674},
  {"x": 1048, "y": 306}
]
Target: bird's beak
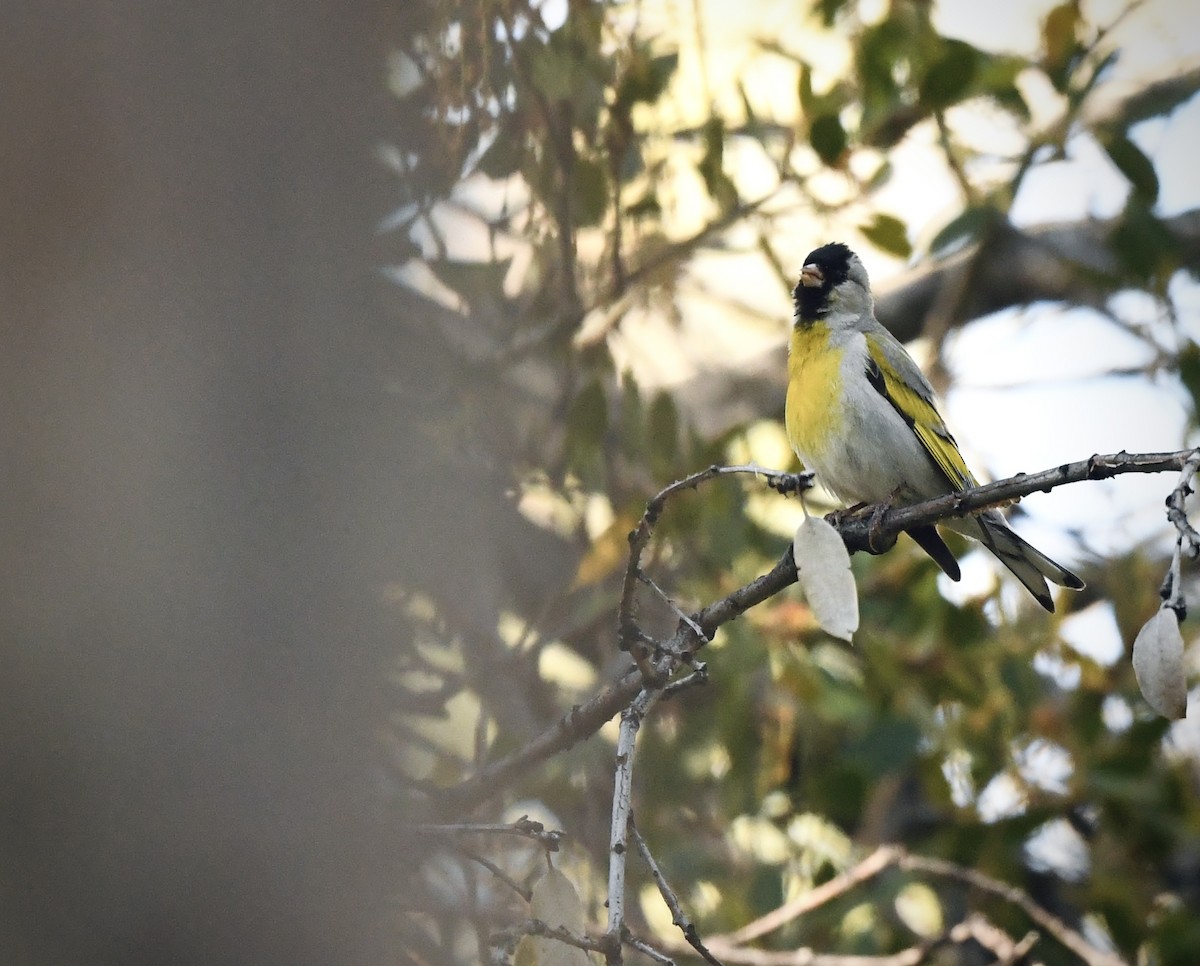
[{"x": 811, "y": 276}]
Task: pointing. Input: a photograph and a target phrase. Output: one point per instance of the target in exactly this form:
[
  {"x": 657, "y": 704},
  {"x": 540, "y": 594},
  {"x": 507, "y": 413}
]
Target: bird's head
[{"x": 833, "y": 280}]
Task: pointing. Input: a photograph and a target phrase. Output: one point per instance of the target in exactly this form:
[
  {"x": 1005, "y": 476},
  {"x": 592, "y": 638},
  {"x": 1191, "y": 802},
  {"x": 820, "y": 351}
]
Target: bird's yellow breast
[{"x": 812, "y": 416}]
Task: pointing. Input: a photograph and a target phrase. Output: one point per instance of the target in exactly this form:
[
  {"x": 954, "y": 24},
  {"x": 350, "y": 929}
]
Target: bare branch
[
  {"x": 1071, "y": 939},
  {"x": 859, "y": 527},
  {"x": 524, "y": 826},
  {"x": 582, "y": 721},
  {"x": 804, "y": 956},
  {"x": 678, "y": 916},
  {"x": 640, "y": 537},
  {"x": 499, "y": 873},
  {"x": 585, "y": 719},
  {"x": 535, "y": 927},
  {"x": 685, "y": 618},
  {"x": 698, "y": 676},
  {"x": 646, "y": 949},
  {"x": 875, "y": 863},
  {"x": 1187, "y": 542},
  {"x": 995, "y": 940},
  {"x": 618, "y": 843}
]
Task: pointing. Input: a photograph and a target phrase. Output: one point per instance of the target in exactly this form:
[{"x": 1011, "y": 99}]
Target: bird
[{"x": 863, "y": 418}]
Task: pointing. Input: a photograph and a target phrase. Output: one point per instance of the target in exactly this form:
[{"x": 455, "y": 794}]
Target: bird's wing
[{"x": 911, "y": 397}]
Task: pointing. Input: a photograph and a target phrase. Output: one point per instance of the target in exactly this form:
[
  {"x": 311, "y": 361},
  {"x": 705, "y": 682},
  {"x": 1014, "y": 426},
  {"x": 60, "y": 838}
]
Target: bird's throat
[{"x": 811, "y": 416}]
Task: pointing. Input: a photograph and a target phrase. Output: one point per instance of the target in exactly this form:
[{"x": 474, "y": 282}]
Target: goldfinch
[{"x": 861, "y": 416}]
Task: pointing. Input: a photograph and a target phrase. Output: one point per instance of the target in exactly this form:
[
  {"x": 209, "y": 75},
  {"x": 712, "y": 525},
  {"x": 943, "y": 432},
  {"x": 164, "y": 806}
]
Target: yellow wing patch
[{"x": 918, "y": 411}]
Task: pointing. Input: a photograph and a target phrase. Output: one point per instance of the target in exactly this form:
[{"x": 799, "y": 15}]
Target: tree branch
[
  {"x": 678, "y": 916},
  {"x": 1066, "y": 262},
  {"x": 1071, "y": 939},
  {"x": 536, "y": 927},
  {"x": 875, "y": 863},
  {"x": 857, "y": 530},
  {"x": 861, "y": 528},
  {"x": 618, "y": 843},
  {"x": 524, "y": 827}
]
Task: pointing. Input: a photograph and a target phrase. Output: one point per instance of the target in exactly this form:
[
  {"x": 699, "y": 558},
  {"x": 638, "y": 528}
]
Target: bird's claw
[{"x": 877, "y": 541}]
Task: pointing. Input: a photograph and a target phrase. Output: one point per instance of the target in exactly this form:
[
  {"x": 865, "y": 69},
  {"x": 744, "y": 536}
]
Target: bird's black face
[{"x": 824, "y": 269}]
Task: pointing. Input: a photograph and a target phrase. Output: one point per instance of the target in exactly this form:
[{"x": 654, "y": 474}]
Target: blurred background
[{"x": 343, "y": 346}]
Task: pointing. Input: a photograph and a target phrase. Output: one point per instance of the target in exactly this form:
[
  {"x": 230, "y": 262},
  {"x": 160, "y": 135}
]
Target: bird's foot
[
  {"x": 838, "y": 517},
  {"x": 877, "y": 541}
]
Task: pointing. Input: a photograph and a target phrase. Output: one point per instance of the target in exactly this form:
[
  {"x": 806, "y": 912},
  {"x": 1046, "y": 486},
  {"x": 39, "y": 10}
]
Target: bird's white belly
[{"x": 876, "y": 456}]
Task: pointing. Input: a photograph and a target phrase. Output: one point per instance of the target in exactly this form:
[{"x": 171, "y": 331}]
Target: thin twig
[
  {"x": 678, "y": 916},
  {"x": 524, "y": 827},
  {"x": 805, "y": 956},
  {"x": 618, "y": 842},
  {"x": 875, "y": 863},
  {"x": 639, "y": 538},
  {"x": 1187, "y": 540},
  {"x": 1008, "y": 952},
  {"x": 536, "y": 927},
  {"x": 646, "y": 949},
  {"x": 685, "y": 618},
  {"x": 499, "y": 873},
  {"x": 1069, "y": 937},
  {"x": 698, "y": 676},
  {"x": 953, "y": 160}
]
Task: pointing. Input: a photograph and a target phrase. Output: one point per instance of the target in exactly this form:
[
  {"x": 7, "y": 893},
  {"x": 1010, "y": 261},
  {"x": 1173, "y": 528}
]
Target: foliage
[{"x": 601, "y": 178}]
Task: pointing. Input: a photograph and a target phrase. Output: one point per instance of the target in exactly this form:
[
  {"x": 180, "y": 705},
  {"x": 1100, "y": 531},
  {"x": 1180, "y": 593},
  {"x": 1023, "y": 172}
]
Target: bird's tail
[{"x": 1028, "y": 564}]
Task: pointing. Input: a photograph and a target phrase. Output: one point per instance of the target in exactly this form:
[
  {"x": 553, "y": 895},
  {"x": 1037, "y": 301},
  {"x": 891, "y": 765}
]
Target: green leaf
[
  {"x": 1143, "y": 244},
  {"x": 591, "y": 191},
  {"x": 829, "y": 10},
  {"x": 645, "y": 78},
  {"x": 662, "y": 428},
  {"x": 962, "y": 230},
  {"x": 950, "y": 77},
  {"x": 888, "y": 233},
  {"x": 714, "y": 150},
  {"x": 662, "y": 69},
  {"x": 632, "y": 162},
  {"x": 996, "y": 77},
  {"x": 712, "y": 166},
  {"x": 644, "y": 206},
  {"x": 555, "y": 72},
  {"x": 1189, "y": 372},
  {"x": 882, "y": 50},
  {"x": 828, "y": 138},
  {"x": 504, "y": 156},
  {"x": 751, "y": 125},
  {"x": 880, "y": 176},
  {"x": 473, "y": 281},
  {"x": 887, "y": 745},
  {"x": 587, "y": 417},
  {"x": 632, "y": 424},
  {"x": 808, "y": 99},
  {"x": 1060, "y": 43},
  {"x": 1134, "y": 164}
]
